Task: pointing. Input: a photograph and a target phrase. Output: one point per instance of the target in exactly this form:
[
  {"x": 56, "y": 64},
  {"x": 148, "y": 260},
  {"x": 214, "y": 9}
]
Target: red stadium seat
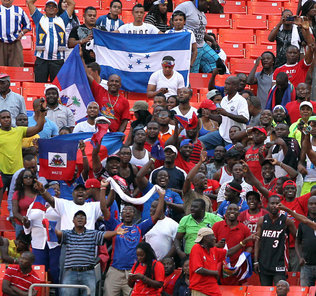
[
  {"x": 236, "y": 36},
  {"x": 249, "y": 22},
  {"x": 29, "y": 58},
  {"x": 293, "y": 278},
  {"x": 233, "y": 290},
  {"x": 253, "y": 50},
  {"x": 195, "y": 95},
  {"x": 33, "y": 89},
  {"x": 83, "y": 3},
  {"x": 262, "y": 37},
  {"x": 105, "y": 4},
  {"x": 18, "y": 73},
  {"x": 127, "y": 16},
  {"x": 127, "y": 4},
  {"x": 218, "y": 21},
  {"x": 131, "y": 96},
  {"x": 235, "y": 7},
  {"x": 79, "y": 14},
  {"x": 291, "y": 6},
  {"x": 199, "y": 80},
  {"x": 16, "y": 87},
  {"x": 298, "y": 291},
  {"x": 27, "y": 41},
  {"x": 273, "y": 20},
  {"x": 214, "y": 31},
  {"x": 101, "y": 12},
  {"x": 312, "y": 291},
  {"x": 264, "y": 8},
  {"x": 254, "y": 280},
  {"x": 10, "y": 235},
  {"x": 260, "y": 291},
  {"x": 242, "y": 66},
  {"x": 233, "y": 50}
]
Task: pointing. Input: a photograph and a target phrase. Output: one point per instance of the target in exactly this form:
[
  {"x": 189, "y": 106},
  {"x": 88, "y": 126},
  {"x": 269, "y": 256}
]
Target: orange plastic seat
[
  {"x": 249, "y": 22},
  {"x": 18, "y": 73},
  {"x": 236, "y": 36},
  {"x": 298, "y": 291},
  {"x": 127, "y": 16},
  {"x": 253, "y": 50},
  {"x": 33, "y": 89},
  {"x": 220, "y": 79},
  {"x": 233, "y": 50},
  {"x": 126, "y": 4},
  {"x": 312, "y": 291},
  {"x": 29, "y": 58},
  {"x": 273, "y": 20},
  {"x": 218, "y": 21},
  {"x": 79, "y": 14},
  {"x": 242, "y": 66},
  {"x": 264, "y": 8},
  {"x": 83, "y": 3},
  {"x": 291, "y": 6},
  {"x": 131, "y": 96},
  {"x": 262, "y": 37},
  {"x": 15, "y": 87},
  {"x": 195, "y": 95},
  {"x": 199, "y": 80},
  {"x": 260, "y": 291},
  {"x": 235, "y": 7},
  {"x": 214, "y": 31},
  {"x": 233, "y": 290},
  {"x": 101, "y": 12}
]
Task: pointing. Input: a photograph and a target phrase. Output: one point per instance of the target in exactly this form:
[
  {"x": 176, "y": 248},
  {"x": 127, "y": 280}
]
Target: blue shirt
[
  {"x": 124, "y": 246},
  {"x": 170, "y": 196},
  {"x": 243, "y": 206},
  {"x": 50, "y": 128},
  {"x": 220, "y": 89},
  {"x": 108, "y": 23},
  {"x": 66, "y": 189}
]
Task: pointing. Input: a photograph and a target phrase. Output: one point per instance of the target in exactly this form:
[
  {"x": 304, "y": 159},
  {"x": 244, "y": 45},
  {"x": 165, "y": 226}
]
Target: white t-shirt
[
  {"x": 193, "y": 40},
  {"x": 161, "y": 236},
  {"x": 245, "y": 188},
  {"x": 188, "y": 115},
  {"x": 161, "y": 81},
  {"x": 143, "y": 29},
  {"x": 84, "y": 127},
  {"x": 195, "y": 20},
  {"x": 66, "y": 209},
  {"x": 237, "y": 106}
]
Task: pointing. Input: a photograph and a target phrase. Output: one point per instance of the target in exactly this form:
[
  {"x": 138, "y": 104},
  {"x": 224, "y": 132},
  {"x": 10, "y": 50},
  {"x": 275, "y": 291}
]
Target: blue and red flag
[
  {"x": 187, "y": 123},
  {"x": 73, "y": 83},
  {"x": 40, "y": 203},
  {"x": 57, "y": 158},
  {"x": 50, "y": 230}
]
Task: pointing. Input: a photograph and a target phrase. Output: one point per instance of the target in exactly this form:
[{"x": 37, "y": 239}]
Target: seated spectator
[
  {"x": 88, "y": 125},
  {"x": 10, "y": 100},
  {"x": 285, "y": 33},
  {"x": 172, "y": 102},
  {"x": 215, "y": 96},
  {"x": 171, "y": 275},
  {"x": 217, "y": 163},
  {"x": 82, "y": 34},
  {"x": 157, "y": 15},
  {"x": 282, "y": 288},
  {"x": 23, "y": 120},
  {"x": 159, "y": 100},
  {"x": 281, "y": 93},
  {"x": 18, "y": 278},
  {"x": 166, "y": 81},
  {"x": 181, "y": 287},
  {"x": 138, "y": 26},
  {"x": 206, "y": 123},
  {"x": 264, "y": 78},
  {"x": 254, "y": 107},
  {"x": 140, "y": 156},
  {"x": 57, "y": 112},
  {"x": 65, "y": 130},
  {"x": 147, "y": 275},
  {"x": 280, "y": 115},
  {"x": 166, "y": 129},
  {"x": 178, "y": 19},
  {"x": 111, "y": 21}
]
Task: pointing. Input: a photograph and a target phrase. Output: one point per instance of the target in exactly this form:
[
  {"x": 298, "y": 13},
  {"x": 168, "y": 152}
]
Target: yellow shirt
[
  {"x": 28, "y": 142},
  {"x": 11, "y": 149},
  {"x": 12, "y": 250}
]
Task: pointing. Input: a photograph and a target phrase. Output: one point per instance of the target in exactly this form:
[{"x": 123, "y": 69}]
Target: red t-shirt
[
  {"x": 140, "y": 288},
  {"x": 252, "y": 159},
  {"x": 20, "y": 280},
  {"x": 296, "y": 73},
  {"x": 1, "y": 183},
  {"x": 251, "y": 220},
  {"x": 120, "y": 109},
  {"x": 23, "y": 203},
  {"x": 170, "y": 281},
  {"x": 293, "y": 109},
  {"x": 201, "y": 258},
  {"x": 187, "y": 166}
]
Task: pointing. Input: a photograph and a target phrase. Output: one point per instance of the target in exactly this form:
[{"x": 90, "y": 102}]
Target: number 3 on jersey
[{"x": 275, "y": 243}]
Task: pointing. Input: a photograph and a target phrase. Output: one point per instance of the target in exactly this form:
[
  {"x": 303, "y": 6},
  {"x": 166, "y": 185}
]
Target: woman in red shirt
[{"x": 147, "y": 275}]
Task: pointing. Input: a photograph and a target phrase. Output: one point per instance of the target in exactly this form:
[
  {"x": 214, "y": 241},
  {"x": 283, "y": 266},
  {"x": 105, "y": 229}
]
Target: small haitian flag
[{"x": 57, "y": 159}]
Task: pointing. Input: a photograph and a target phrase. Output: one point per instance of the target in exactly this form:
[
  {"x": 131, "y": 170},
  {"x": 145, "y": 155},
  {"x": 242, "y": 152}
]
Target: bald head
[{"x": 231, "y": 85}]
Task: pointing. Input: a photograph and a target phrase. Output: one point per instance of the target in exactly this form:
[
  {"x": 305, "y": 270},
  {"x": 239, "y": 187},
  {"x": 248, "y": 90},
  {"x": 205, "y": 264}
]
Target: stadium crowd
[{"x": 225, "y": 188}]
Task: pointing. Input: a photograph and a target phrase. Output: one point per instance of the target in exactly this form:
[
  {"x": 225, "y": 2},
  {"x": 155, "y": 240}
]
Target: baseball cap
[
  {"x": 80, "y": 212},
  {"x": 4, "y": 77},
  {"x": 288, "y": 182},
  {"x": 173, "y": 148},
  {"x": 51, "y": 1},
  {"x": 92, "y": 183},
  {"x": 312, "y": 118},
  {"x": 306, "y": 103},
  {"x": 260, "y": 129},
  {"x": 50, "y": 86},
  {"x": 80, "y": 186},
  {"x": 208, "y": 104},
  {"x": 113, "y": 156},
  {"x": 99, "y": 118},
  {"x": 212, "y": 93},
  {"x": 185, "y": 142},
  {"x": 204, "y": 231},
  {"x": 140, "y": 105}
]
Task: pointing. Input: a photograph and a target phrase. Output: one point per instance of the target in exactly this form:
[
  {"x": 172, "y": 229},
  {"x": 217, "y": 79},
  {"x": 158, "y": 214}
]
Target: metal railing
[{"x": 59, "y": 286}]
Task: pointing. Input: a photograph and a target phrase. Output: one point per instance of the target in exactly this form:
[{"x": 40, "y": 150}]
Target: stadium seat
[
  {"x": 83, "y": 3},
  {"x": 260, "y": 291},
  {"x": 18, "y": 73},
  {"x": 235, "y": 7},
  {"x": 214, "y": 31},
  {"x": 10, "y": 235},
  {"x": 242, "y": 66},
  {"x": 220, "y": 79},
  {"x": 262, "y": 37},
  {"x": 15, "y": 87},
  {"x": 249, "y": 22},
  {"x": 233, "y": 290},
  {"x": 126, "y": 4},
  {"x": 199, "y": 80},
  {"x": 202, "y": 94},
  {"x": 79, "y": 14},
  {"x": 233, "y": 50},
  {"x": 131, "y": 96},
  {"x": 273, "y": 20},
  {"x": 253, "y": 50},
  {"x": 195, "y": 95},
  {"x": 312, "y": 291},
  {"x": 105, "y": 4},
  {"x": 29, "y": 58},
  {"x": 33, "y": 89},
  {"x": 26, "y": 42},
  {"x": 104, "y": 12},
  {"x": 293, "y": 278},
  {"x": 264, "y": 8},
  {"x": 29, "y": 103},
  {"x": 298, "y": 291},
  {"x": 235, "y": 36},
  {"x": 127, "y": 16},
  {"x": 291, "y": 6},
  {"x": 218, "y": 21}
]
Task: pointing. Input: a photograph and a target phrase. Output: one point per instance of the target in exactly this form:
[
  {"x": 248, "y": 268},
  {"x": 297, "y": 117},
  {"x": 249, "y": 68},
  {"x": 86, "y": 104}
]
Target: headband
[
  {"x": 168, "y": 63},
  {"x": 233, "y": 188}
]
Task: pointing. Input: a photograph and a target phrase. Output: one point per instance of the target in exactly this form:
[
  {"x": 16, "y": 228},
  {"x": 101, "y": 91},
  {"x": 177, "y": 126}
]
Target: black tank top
[{"x": 272, "y": 251}]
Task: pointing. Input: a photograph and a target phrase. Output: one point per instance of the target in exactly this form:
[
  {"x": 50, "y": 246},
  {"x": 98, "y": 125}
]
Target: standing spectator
[
  {"x": 172, "y": 102},
  {"x": 152, "y": 133},
  {"x": 233, "y": 111},
  {"x": 183, "y": 157},
  {"x": 83, "y": 34},
  {"x": 57, "y": 112},
  {"x": 18, "y": 278},
  {"x": 138, "y": 26},
  {"x": 196, "y": 21},
  {"x": 111, "y": 22},
  {"x": 269, "y": 259},
  {"x": 50, "y": 38},
  {"x": 10, "y": 100},
  {"x": 255, "y": 109},
  {"x": 50, "y": 128},
  {"x": 218, "y": 162},
  {"x": 140, "y": 156},
  {"x": 184, "y": 108},
  {"x": 88, "y": 125},
  {"x": 14, "y": 25},
  {"x": 264, "y": 78},
  {"x": 166, "y": 81},
  {"x": 171, "y": 275},
  {"x": 157, "y": 15},
  {"x": 94, "y": 70}
]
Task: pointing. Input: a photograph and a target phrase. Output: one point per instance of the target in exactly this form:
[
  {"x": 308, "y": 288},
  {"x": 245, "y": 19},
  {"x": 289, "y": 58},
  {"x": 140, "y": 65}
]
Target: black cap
[
  {"x": 80, "y": 186},
  {"x": 80, "y": 212}
]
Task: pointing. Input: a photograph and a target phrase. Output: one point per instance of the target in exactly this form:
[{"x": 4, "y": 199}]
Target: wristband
[
  {"x": 255, "y": 263},
  {"x": 242, "y": 244},
  {"x": 103, "y": 187},
  {"x": 152, "y": 159},
  {"x": 84, "y": 156}
]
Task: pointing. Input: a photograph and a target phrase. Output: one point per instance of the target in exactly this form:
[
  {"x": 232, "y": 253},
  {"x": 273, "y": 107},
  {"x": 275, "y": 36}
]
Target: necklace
[{"x": 112, "y": 105}]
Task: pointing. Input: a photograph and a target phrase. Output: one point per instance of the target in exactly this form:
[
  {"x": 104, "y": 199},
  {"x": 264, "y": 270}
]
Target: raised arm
[
  {"x": 118, "y": 231},
  {"x": 85, "y": 162},
  {"x": 275, "y": 30},
  {"x": 160, "y": 206},
  {"x": 70, "y": 8},
  {"x": 257, "y": 245},
  {"x": 33, "y": 130},
  {"x": 292, "y": 173},
  {"x": 31, "y": 5},
  {"x": 96, "y": 161},
  {"x": 141, "y": 179},
  {"x": 38, "y": 186},
  {"x": 211, "y": 83},
  {"x": 109, "y": 200},
  {"x": 251, "y": 77}
]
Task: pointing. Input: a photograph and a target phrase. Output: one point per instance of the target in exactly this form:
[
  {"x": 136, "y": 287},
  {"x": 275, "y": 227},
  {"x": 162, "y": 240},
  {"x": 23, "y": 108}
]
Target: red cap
[
  {"x": 93, "y": 183},
  {"x": 4, "y": 75},
  {"x": 261, "y": 129},
  {"x": 288, "y": 183},
  {"x": 208, "y": 104}
]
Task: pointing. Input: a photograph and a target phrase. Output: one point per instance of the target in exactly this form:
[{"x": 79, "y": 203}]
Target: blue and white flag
[
  {"x": 134, "y": 57},
  {"x": 73, "y": 83}
]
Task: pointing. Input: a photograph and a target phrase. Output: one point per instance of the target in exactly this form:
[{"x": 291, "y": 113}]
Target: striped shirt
[
  {"x": 20, "y": 280},
  {"x": 12, "y": 20},
  {"x": 150, "y": 19},
  {"x": 80, "y": 247},
  {"x": 109, "y": 24},
  {"x": 50, "y": 35}
]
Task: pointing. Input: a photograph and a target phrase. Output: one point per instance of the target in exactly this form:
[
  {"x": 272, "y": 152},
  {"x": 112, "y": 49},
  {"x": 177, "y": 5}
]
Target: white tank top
[
  {"x": 225, "y": 177},
  {"x": 139, "y": 162}
]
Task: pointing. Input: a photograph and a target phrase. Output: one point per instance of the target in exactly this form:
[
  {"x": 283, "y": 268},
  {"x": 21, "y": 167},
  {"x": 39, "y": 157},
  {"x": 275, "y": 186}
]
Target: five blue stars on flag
[{"x": 138, "y": 61}]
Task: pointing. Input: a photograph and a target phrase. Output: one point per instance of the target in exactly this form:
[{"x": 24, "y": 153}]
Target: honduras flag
[
  {"x": 134, "y": 57},
  {"x": 72, "y": 81}
]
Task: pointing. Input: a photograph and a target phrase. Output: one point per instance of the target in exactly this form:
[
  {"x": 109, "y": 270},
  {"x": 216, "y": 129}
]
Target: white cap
[
  {"x": 173, "y": 148},
  {"x": 306, "y": 103},
  {"x": 102, "y": 118},
  {"x": 51, "y": 1},
  {"x": 50, "y": 86}
]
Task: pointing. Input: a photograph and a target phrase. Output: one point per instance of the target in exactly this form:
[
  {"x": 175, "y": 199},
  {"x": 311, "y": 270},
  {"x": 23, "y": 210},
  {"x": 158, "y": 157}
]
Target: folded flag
[
  {"x": 134, "y": 57},
  {"x": 57, "y": 160},
  {"x": 157, "y": 151},
  {"x": 50, "y": 230},
  {"x": 102, "y": 129},
  {"x": 73, "y": 83},
  {"x": 186, "y": 123},
  {"x": 242, "y": 269}
]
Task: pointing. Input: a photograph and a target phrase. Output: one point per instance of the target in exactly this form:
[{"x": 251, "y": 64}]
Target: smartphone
[{"x": 290, "y": 18}]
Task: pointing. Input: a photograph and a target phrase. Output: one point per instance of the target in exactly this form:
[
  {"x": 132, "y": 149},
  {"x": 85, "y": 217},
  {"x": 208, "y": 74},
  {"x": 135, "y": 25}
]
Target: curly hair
[{"x": 19, "y": 185}]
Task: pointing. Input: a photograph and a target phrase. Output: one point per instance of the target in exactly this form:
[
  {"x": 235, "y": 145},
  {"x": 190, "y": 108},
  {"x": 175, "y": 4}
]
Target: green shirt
[{"x": 191, "y": 227}]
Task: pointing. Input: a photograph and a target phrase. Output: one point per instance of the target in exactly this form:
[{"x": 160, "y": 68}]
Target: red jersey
[
  {"x": 111, "y": 106},
  {"x": 196, "y": 152},
  {"x": 271, "y": 186},
  {"x": 252, "y": 159},
  {"x": 1, "y": 183},
  {"x": 201, "y": 258},
  {"x": 251, "y": 220},
  {"x": 296, "y": 73},
  {"x": 187, "y": 166},
  {"x": 170, "y": 281},
  {"x": 293, "y": 109}
]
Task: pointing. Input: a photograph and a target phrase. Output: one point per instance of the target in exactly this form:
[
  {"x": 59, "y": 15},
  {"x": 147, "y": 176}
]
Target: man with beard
[
  {"x": 218, "y": 161},
  {"x": 56, "y": 112},
  {"x": 88, "y": 125},
  {"x": 184, "y": 108},
  {"x": 152, "y": 133}
]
